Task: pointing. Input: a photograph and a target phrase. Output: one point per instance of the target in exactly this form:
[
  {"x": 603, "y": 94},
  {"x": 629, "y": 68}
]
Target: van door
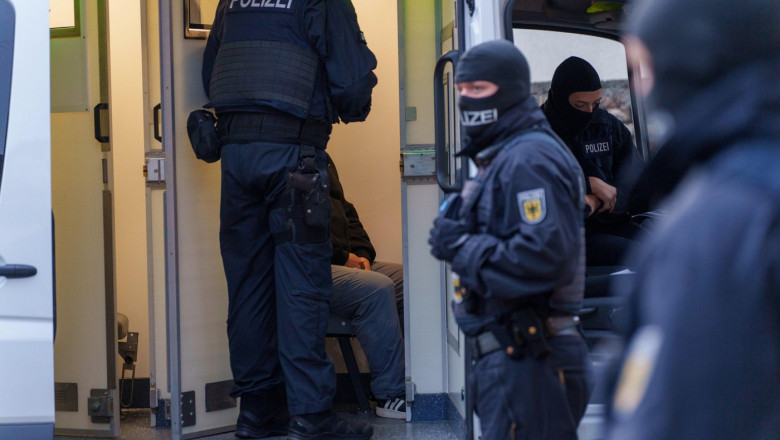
[
  {"x": 198, "y": 357},
  {"x": 26, "y": 307},
  {"x": 86, "y": 398}
]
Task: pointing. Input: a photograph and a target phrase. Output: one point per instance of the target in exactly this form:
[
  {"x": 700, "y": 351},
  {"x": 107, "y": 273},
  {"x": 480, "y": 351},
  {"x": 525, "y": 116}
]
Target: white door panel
[{"x": 26, "y": 309}]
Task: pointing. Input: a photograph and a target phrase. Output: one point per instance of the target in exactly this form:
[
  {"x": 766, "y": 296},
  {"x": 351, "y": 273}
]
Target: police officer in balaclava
[
  {"x": 605, "y": 149},
  {"x": 703, "y": 357},
  {"x": 514, "y": 236}
]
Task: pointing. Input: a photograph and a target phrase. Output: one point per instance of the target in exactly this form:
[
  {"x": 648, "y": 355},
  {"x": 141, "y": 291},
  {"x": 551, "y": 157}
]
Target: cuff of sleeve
[{"x": 339, "y": 258}]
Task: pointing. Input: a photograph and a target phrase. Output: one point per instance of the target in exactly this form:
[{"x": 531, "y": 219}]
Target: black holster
[{"x": 305, "y": 200}]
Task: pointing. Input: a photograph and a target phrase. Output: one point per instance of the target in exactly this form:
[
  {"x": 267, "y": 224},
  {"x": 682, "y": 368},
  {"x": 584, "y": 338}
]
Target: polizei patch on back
[
  {"x": 261, "y": 4},
  {"x": 533, "y": 206}
]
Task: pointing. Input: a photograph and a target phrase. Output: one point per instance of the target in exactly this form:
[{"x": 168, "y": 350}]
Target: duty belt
[
  {"x": 486, "y": 342},
  {"x": 243, "y": 127}
]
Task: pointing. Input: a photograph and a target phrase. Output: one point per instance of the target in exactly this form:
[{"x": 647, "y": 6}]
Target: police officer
[
  {"x": 514, "y": 235},
  {"x": 605, "y": 150},
  {"x": 704, "y": 322},
  {"x": 274, "y": 71}
]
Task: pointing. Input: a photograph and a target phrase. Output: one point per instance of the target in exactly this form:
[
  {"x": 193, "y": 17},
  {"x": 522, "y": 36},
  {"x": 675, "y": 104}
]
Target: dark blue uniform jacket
[
  {"x": 709, "y": 287},
  {"x": 327, "y": 31},
  {"x": 606, "y": 150},
  {"x": 516, "y": 254}
]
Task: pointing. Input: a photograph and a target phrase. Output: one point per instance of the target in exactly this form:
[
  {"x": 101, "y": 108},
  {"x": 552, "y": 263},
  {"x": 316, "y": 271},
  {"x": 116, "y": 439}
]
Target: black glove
[{"x": 447, "y": 236}]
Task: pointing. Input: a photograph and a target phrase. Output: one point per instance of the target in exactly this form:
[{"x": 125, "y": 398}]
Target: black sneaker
[
  {"x": 327, "y": 426},
  {"x": 262, "y": 415},
  {"x": 391, "y": 408}
]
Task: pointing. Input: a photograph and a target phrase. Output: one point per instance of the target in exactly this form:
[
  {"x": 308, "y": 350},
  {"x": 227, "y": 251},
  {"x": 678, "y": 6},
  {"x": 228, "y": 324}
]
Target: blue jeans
[
  {"x": 533, "y": 399},
  {"x": 368, "y": 299},
  {"x": 278, "y": 293}
]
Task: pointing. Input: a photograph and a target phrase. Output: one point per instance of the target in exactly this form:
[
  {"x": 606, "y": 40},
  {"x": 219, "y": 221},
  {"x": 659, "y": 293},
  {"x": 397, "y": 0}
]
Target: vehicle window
[
  {"x": 64, "y": 18},
  {"x": 545, "y": 50}
]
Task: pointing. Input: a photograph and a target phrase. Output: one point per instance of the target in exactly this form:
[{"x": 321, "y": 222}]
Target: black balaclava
[
  {"x": 572, "y": 75},
  {"x": 695, "y": 42},
  {"x": 709, "y": 58},
  {"x": 501, "y": 63}
]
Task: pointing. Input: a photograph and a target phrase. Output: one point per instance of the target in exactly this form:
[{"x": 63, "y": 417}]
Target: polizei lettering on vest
[
  {"x": 479, "y": 117},
  {"x": 282, "y": 4},
  {"x": 597, "y": 147}
]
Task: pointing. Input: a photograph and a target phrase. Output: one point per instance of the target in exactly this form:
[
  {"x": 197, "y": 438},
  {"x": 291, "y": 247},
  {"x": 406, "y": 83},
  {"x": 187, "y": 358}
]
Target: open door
[
  {"x": 86, "y": 399},
  {"x": 198, "y": 357},
  {"x": 26, "y": 291}
]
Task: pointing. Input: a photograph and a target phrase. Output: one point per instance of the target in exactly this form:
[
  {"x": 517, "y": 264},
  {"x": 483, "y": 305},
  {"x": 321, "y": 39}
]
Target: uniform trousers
[
  {"x": 533, "y": 399},
  {"x": 278, "y": 293}
]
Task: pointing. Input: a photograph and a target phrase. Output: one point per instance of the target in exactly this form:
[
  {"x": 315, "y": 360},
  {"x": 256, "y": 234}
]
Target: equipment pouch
[
  {"x": 527, "y": 326},
  {"x": 202, "y": 130}
]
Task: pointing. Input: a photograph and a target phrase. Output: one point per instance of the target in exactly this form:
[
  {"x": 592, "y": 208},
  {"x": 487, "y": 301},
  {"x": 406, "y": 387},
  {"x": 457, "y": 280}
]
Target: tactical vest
[{"x": 266, "y": 61}]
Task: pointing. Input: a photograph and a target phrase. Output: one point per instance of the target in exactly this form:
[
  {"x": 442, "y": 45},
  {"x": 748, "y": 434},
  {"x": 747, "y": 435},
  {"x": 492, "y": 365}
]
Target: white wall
[
  {"x": 367, "y": 153},
  {"x": 545, "y": 50},
  {"x": 127, "y": 106}
]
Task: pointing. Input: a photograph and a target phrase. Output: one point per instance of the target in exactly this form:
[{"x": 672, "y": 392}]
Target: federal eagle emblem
[{"x": 533, "y": 207}]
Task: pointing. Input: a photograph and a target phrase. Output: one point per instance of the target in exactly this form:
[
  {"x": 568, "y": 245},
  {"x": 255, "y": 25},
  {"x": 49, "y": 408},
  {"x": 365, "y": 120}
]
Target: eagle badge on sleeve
[{"x": 533, "y": 207}]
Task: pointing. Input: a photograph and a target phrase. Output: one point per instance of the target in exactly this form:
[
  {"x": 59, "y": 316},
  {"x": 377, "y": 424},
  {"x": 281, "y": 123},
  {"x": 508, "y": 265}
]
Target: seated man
[
  {"x": 370, "y": 294},
  {"x": 605, "y": 150}
]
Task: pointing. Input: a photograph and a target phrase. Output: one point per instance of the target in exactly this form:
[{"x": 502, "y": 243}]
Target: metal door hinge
[{"x": 188, "y": 408}]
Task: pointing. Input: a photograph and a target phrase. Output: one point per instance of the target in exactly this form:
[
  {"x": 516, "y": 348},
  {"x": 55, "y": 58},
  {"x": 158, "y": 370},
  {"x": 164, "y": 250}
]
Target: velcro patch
[{"x": 533, "y": 205}]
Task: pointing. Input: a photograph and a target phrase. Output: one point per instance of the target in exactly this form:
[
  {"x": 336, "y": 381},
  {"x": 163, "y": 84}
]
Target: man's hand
[
  {"x": 447, "y": 236},
  {"x": 593, "y": 202},
  {"x": 604, "y": 192},
  {"x": 356, "y": 262}
]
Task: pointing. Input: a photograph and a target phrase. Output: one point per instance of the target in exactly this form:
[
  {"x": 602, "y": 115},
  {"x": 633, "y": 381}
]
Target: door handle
[
  {"x": 17, "y": 271},
  {"x": 156, "y": 113},
  {"x": 98, "y": 131}
]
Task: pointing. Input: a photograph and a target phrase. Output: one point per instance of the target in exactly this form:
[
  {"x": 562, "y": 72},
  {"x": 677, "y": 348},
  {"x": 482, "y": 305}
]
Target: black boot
[
  {"x": 327, "y": 426},
  {"x": 263, "y": 414}
]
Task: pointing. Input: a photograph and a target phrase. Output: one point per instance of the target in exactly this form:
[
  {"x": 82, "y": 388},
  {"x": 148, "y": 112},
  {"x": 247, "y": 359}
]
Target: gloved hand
[{"x": 447, "y": 235}]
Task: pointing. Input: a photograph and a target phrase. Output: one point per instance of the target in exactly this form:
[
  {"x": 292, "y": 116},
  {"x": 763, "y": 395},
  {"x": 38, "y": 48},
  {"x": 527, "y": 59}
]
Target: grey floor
[{"x": 135, "y": 426}]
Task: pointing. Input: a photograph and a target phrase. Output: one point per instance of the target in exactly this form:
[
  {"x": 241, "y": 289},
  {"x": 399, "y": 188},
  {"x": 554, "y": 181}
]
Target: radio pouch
[{"x": 202, "y": 130}]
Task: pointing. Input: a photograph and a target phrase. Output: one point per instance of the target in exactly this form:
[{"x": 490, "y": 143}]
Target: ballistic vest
[{"x": 266, "y": 61}]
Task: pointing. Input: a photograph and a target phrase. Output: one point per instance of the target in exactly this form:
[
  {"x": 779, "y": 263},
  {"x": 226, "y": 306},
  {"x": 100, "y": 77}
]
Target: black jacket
[
  {"x": 528, "y": 241},
  {"x": 347, "y": 233},
  {"x": 605, "y": 150},
  {"x": 709, "y": 290},
  {"x": 321, "y": 67}
]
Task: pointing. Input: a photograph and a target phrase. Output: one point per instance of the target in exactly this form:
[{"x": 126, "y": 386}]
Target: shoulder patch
[
  {"x": 533, "y": 206},
  {"x": 637, "y": 370}
]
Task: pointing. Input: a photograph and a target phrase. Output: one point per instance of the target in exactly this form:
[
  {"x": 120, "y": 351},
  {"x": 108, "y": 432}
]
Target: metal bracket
[
  {"x": 100, "y": 406},
  {"x": 188, "y": 408},
  {"x": 154, "y": 169},
  {"x": 411, "y": 388},
  {"x": 154, "y": 397}
]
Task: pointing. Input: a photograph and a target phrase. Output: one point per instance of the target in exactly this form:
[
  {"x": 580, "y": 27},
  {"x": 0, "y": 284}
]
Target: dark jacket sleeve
[
  {"x": 350, "y": 63},
  {"x": 212, "y": 45},
  {"x": 347, "y": 232},
  {"x": 512, "y": 258},
  {"x": 627, "y": 166}
]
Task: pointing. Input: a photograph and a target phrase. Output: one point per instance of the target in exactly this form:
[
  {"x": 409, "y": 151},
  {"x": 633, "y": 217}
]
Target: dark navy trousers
[
  {"x": 533, "y": 399},
  {"x": 278, "y": 294}
]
